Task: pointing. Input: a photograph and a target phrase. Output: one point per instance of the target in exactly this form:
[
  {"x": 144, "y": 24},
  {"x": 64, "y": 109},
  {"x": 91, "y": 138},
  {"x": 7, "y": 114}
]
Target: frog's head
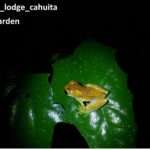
[{"x": 73, "y": 89}]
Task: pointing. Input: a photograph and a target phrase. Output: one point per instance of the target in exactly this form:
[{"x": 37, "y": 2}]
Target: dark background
[{"x": 28, "y": 46}]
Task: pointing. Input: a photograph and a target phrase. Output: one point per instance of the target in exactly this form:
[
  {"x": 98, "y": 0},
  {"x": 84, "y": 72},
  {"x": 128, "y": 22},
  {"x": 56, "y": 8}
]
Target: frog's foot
[{"x": 82, "y": 108}]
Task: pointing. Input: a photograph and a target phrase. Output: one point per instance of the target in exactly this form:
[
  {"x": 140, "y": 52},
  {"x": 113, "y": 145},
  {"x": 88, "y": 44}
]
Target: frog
[{"x": 91, "y": 97}]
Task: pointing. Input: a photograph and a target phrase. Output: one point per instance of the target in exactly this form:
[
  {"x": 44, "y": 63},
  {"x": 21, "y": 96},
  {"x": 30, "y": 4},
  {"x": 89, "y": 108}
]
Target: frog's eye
[{"x": 67, "y": 89}]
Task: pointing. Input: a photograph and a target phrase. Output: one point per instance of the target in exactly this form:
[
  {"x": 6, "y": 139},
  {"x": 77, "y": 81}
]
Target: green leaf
[{"x": 112, "y": 125}]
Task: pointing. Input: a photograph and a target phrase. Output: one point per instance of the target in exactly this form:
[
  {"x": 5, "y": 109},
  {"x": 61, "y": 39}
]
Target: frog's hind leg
[{"x": 99, "y": 88}]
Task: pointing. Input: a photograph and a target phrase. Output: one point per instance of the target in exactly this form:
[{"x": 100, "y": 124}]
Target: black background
[{"x": 27, "y": 47}]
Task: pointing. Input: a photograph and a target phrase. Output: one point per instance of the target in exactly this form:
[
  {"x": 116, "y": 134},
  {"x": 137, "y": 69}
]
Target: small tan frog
[{"x": 90, "y": 96}]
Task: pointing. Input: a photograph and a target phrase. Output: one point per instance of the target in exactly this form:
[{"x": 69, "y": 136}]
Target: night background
[{"x": 28, "y": 47}]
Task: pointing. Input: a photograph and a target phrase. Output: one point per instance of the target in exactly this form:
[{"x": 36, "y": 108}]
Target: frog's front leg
[
  {"x": 82, "y": 108},
  {"x": 94, "y": 104}
]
